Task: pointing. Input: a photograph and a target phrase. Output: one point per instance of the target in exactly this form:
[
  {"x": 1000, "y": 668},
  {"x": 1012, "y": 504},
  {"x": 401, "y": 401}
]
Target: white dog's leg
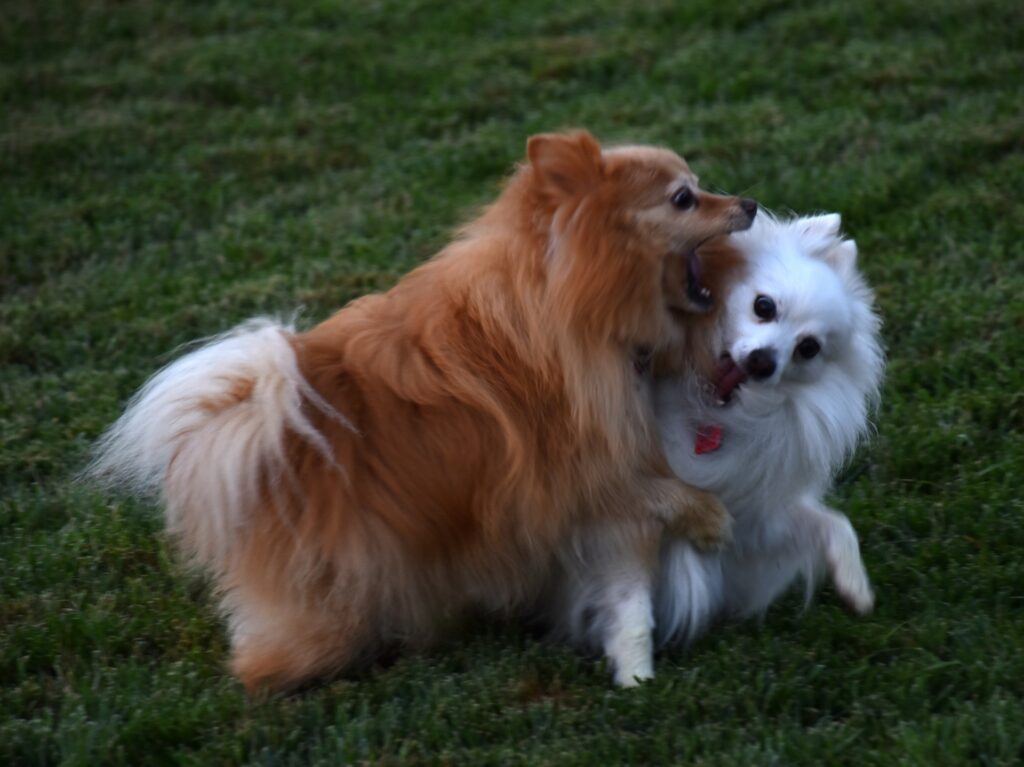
[
  {"x": 628, "y": 641},
  {"x": 607, "y": 599},
  {"x": 841, "y": 552}
]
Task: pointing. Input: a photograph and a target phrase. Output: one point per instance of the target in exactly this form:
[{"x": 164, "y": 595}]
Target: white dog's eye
[
  {"x": 764, "y": 307},
  {"x": 808, "y": 348}
]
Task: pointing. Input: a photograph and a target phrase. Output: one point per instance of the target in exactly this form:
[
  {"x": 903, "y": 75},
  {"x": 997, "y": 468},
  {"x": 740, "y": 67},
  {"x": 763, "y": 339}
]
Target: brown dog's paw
[
  {"x": 281, "y": 667},
  {"x": 706, "y": 523},
  {"x": 689, "y": 513},
  {"x": 263, "y": 670}
]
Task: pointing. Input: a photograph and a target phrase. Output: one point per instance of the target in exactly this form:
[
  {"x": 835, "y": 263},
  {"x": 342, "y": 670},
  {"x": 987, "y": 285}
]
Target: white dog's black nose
[{"x": 760, "y": 363}]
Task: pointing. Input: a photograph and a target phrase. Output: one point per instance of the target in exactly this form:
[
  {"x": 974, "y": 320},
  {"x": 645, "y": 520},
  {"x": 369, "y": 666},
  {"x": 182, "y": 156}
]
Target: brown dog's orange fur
[{"x": 491, "y": 405}]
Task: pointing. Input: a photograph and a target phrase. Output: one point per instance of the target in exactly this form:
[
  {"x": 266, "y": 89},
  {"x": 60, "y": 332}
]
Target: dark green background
[{"x": 168, "y": 169}]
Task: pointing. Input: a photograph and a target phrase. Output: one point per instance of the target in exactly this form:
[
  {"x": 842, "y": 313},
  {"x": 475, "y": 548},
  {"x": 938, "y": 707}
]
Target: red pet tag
[{"x": 709, "y": 439}]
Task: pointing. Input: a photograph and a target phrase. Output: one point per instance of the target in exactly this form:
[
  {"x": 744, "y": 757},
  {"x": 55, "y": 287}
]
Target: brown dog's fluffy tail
[{"x": 208, "y": 435}]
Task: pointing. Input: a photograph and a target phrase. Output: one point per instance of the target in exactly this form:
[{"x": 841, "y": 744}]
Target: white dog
[{"x": 800, "y": 370}]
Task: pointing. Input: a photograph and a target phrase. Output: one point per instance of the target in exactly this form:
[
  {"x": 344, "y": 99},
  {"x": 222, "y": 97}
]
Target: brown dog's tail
[{"x": 208, "y": 434}]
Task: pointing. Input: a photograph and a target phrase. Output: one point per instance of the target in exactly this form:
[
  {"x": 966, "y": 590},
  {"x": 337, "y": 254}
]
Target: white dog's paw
[
  {"x": 628, "y": 621},
  {"x": 855, "y": 591},
  {"x": 632, "y": 677},
  {"x": 848, "y": 573},
  {"x": 631, "y": 652}
]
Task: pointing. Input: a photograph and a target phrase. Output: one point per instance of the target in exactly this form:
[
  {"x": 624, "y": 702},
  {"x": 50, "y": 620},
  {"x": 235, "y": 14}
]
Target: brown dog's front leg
[{"x": 687, "y": 511}]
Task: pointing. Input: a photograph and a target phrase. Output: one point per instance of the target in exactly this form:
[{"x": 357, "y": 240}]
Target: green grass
[{"x": 170, "y": 168}]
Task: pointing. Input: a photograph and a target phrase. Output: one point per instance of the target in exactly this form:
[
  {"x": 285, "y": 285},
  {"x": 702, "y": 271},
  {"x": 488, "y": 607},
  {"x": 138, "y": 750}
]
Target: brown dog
[{"x": 428, "y": 449}]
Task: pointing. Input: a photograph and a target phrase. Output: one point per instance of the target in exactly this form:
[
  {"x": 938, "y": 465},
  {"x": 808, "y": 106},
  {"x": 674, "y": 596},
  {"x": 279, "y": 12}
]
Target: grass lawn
[{"x": 171, "y": 168}]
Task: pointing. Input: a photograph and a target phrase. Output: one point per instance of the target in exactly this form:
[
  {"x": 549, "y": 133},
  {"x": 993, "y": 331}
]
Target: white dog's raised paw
[
  {"x": 854, "y": 589},
  {"x": 860, "y": 601},
  {"x": 847, "y": 569}
]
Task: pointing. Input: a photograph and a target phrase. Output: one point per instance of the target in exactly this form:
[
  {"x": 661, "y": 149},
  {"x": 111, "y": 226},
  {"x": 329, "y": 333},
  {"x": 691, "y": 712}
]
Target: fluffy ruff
[
  {"x": 784, "y": 434},
  {"x": 426, "y": 451}
]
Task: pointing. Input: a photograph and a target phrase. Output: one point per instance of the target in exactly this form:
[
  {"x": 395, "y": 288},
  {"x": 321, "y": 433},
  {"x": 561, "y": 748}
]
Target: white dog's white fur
[{"x": 783, "y": 438}]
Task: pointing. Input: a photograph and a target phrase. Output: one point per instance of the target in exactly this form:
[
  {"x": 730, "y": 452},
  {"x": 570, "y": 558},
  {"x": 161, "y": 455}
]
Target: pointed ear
[
  {"x": 566, "y": 164},
  {"x": 842, "y": 257},
  {"x": 823, "y": 226},
  {"x": 821, "y": 236}
]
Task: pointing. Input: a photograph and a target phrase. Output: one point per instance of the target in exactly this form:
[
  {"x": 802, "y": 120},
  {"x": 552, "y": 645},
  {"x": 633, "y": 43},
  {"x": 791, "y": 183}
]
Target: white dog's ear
[
  {"x": 823, "y": 226},
  {"x": 822, "y": 238},
  {"x": 842, "y": 257}
]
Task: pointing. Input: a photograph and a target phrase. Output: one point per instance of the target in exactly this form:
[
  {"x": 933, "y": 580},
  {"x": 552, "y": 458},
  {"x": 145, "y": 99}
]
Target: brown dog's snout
[{"x": 743, "y": 212}]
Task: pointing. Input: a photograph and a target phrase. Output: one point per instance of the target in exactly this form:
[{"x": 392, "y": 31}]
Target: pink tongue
[{"x": 728, "y": 375}]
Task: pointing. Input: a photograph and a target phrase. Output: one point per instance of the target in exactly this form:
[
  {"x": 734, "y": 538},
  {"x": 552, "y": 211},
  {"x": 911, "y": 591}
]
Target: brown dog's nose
[
  {"x": 761, "y": 363},
  {"x": 749, "y": 207}
]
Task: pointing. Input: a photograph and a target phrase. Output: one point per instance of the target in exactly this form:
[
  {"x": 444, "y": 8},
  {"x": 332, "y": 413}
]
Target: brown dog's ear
[{"x": 567, "y": 164}]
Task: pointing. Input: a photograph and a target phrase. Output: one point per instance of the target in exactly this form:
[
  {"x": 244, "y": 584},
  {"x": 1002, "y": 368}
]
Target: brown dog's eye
[
  {"x": 808, "y": 348},
  {"x": 684, "y": 198},
  {"x": 764, "y": 308}
]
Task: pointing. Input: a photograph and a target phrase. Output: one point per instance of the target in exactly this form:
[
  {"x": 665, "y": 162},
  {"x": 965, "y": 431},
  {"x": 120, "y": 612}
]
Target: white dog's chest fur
[{"x": 765, "y": 481}]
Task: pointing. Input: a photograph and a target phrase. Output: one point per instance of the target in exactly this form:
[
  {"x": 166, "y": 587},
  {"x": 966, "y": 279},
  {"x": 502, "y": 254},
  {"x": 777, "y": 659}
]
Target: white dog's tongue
[{"x": 728, "y": 375}]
